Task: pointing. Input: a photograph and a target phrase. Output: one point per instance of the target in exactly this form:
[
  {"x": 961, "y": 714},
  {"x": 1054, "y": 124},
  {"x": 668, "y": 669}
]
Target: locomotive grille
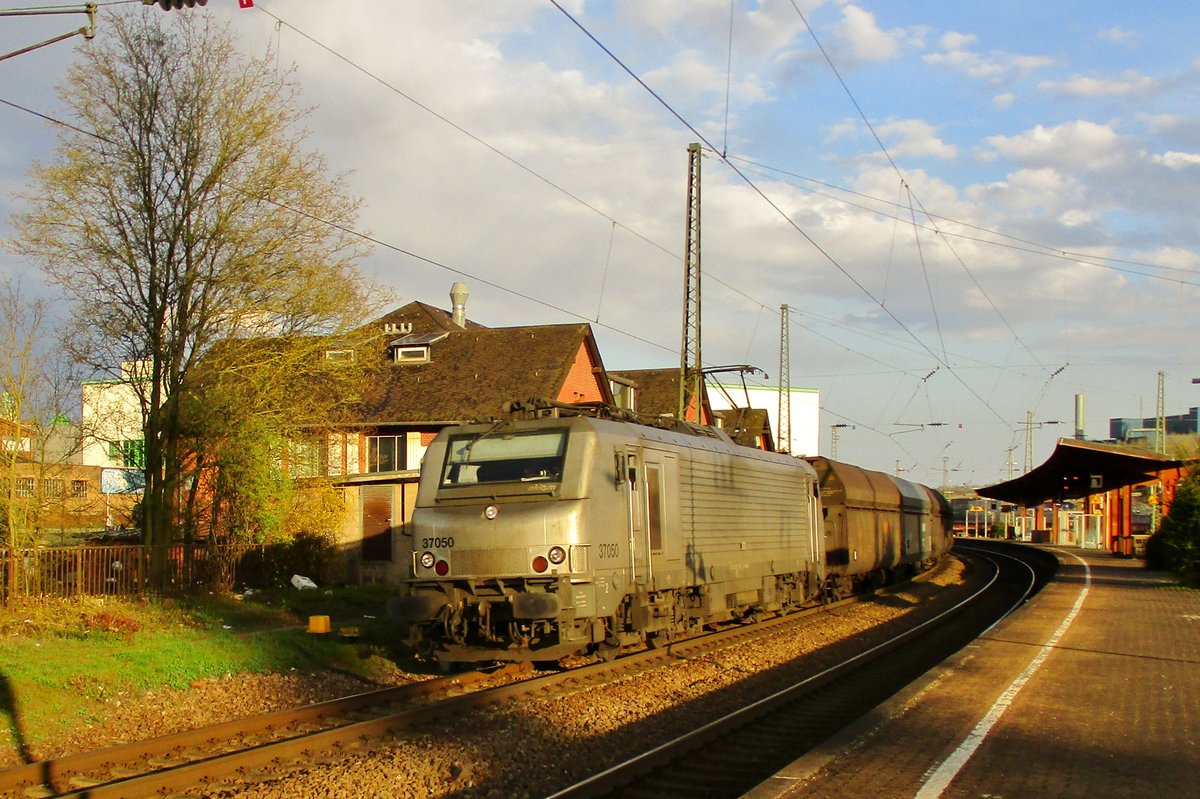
[
  {"x": 578, "y": 559},
  {"x": 477, "y": 562}
]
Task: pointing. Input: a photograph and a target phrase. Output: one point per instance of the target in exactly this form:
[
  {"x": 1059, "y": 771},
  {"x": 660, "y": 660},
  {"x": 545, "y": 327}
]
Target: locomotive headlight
[
  {"x": 427, "y": 560},
  {"x": 557, "y": 555},
  {"x": 491, "y": 512}
]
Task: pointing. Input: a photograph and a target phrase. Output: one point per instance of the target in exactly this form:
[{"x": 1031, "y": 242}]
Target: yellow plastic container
[{"x": 318, "y": 624}]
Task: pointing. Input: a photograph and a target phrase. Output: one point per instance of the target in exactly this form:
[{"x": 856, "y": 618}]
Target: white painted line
[{"x": 941, "y": 777}]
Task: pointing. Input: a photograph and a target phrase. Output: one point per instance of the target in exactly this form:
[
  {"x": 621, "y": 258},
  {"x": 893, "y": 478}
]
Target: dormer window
[
  {"x": 624, "y": 392},
  {"x": 413, "y": 348},
  {"x": 411, "y": 354}
]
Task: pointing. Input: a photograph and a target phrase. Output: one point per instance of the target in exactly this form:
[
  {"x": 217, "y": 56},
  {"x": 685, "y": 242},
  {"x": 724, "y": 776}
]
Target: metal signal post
[{"x": 87, "y": 32}]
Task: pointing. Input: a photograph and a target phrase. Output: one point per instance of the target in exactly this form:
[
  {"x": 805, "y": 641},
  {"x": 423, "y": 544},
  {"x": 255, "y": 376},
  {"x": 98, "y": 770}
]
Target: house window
[
  {"x": 411, "y": 354},
  {"x": 386, "y": 453},
  {"x": 24, "y": 487},
  {"x": 339, "y": 355},
  {"x": 131, "y": 454},
  {"x": 624, "y": 394},
  {"x": 79, "y": 489},
  {"x": 308, "y": 458},
  {"x": 53, "y": 487}
]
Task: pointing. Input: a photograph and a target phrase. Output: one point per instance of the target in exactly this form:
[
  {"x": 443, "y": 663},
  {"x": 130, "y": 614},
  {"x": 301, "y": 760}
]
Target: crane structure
[{"x": 691, "y": 376}]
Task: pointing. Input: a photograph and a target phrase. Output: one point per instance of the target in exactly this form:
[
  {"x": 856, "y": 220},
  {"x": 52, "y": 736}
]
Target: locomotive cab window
[{"x": 530, "y": 457}]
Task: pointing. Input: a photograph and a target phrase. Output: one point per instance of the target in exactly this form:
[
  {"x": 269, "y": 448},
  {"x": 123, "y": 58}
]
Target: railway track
[
  {"x": 228, "y": 758},
  {"x": 260, "y": 747},
  {"x": 731, "y": 754},
  {"x": 179, "y": 760}
]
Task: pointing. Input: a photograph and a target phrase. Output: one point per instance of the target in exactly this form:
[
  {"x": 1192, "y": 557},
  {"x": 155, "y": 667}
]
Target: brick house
[{"x": 46, "y": 494}]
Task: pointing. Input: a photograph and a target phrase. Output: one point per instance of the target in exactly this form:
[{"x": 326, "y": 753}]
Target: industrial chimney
[
  {"x": 1079, "y": 436},
  {"x": 458, "y": 300}
]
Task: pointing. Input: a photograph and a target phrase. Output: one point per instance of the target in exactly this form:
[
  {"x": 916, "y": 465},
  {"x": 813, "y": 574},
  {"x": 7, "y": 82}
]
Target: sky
[{"x": 976, "y": 212}]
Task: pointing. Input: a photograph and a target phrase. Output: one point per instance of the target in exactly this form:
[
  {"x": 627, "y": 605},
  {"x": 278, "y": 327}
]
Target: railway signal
[{"x": 167, "y": 5}]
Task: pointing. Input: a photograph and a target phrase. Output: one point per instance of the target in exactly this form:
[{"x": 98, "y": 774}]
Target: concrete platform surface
[{"x": 1090, "y": 690}]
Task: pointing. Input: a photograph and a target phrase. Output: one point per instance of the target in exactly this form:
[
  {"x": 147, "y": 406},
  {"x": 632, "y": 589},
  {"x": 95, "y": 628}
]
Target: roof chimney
[{"x": 458, "y": 296}]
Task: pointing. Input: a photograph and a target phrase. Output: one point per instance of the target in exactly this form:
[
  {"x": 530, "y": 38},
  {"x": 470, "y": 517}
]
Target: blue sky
[{"x": 1026, "y": 233}]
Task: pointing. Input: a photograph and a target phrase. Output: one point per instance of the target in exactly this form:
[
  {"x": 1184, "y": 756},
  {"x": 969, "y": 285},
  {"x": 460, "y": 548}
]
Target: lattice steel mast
[
  {"x": 691, "y": 378},
  {"x": 783, "y": 442}
]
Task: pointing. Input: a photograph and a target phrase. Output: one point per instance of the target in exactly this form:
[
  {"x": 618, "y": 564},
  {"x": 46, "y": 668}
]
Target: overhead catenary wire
[
  {"x": 1018, "y": 244},
  {"x": 614, "y": 224},
  {"x": 523, "y": 295},
  {"x": 825, "y": 254}
]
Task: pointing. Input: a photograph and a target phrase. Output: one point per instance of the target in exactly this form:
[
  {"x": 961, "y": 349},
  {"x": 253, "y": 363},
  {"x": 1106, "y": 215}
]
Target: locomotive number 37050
[{"x": 439, "y": 543}]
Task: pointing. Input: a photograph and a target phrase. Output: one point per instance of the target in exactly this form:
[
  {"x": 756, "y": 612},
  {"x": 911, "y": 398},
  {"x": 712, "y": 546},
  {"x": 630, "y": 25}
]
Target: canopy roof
[{"x": 1078, "y": 468}]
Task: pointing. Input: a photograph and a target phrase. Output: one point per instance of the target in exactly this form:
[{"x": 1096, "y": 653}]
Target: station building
[{"x": 1085, "y": 495}]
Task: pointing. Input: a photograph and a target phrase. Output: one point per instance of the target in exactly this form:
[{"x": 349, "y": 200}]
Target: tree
[
  {"x": 184, "y": 210},
  {"x": 1176, "y": 545},
  {"x": 36, "y": 438},
  {"x": 258, "y": 415}
]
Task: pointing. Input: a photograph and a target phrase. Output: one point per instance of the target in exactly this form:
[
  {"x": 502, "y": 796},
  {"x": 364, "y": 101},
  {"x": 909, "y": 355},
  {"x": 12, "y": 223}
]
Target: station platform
[{"x": 1092, "y": 689}]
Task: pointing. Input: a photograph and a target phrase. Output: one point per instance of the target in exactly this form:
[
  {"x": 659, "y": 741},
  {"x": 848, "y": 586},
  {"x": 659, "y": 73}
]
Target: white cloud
[
  {"x": 863, "y": 39},
  {"x": 1079, "y": 146},
  {"x": 915, "y": 137},
  {"x": 1128, "y": 84},
  {"x": 1175, "y": 160},
  {"x": 1003, "y": 100},
  {"x": 955, "y": 41},
  {"x": 1171, "y": 257},
  {"x": 997, "y": 66},
  {"x": 1043, "y": 191},
  {"x": 1117, "y": 35}
]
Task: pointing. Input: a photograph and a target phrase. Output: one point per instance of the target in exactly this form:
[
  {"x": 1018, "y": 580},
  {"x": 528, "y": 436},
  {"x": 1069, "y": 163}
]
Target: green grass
[{"x": 62, "y": 663}]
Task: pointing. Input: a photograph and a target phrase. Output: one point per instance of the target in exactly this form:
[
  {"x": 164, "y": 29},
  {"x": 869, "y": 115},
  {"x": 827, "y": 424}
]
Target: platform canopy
[{"x": 1079, "y": 468}]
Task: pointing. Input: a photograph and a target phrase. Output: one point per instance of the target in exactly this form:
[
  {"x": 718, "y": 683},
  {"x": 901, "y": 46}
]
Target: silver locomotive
[{"x": 540, "y": 538}]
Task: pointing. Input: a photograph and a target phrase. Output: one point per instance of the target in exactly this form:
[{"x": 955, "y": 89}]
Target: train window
[
  {"x": 654, "y": 505},
  {"x": 531, "y": 456}
]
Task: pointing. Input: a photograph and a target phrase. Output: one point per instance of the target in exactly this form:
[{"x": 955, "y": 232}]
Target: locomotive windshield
[{"x": 531, "y": 456}]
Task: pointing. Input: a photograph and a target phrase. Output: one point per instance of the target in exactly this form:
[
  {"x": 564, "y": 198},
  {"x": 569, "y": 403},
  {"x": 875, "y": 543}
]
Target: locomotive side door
[{"x": 653, "y": 513}]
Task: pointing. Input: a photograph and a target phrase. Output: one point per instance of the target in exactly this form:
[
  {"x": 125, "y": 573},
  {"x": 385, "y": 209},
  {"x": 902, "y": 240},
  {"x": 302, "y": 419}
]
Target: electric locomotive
[{"x": 539, "y": 538}]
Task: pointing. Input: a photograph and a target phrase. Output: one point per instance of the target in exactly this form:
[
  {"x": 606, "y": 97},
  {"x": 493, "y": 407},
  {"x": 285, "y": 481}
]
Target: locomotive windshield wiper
[{"x": 495, "y": 426}]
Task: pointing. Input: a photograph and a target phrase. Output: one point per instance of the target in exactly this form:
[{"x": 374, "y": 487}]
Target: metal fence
[{"x": 117, "y": 570}]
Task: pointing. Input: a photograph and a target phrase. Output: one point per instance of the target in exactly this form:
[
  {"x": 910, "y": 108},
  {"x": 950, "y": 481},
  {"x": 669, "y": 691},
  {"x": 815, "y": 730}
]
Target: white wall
[
  {"x": 805, "y": 417},
  {"x": 111, "y": 412}
]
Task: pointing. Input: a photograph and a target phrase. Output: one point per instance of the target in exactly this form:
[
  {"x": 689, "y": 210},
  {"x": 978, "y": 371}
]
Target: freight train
[{"x": 565, "y": 533}]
